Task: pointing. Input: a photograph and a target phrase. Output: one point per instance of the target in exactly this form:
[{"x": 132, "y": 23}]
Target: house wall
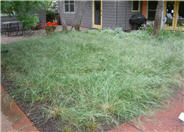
[
  {"x": 109, "y": 14},
  {"x": 121, "y": 14},
  {"x": 87, "y": 17},
  {"x": 115, "y": 14},
  {"x": 68, "y": 16},
  {"x": 87, "y": 14},
  {"x": 129, "y": 13}
]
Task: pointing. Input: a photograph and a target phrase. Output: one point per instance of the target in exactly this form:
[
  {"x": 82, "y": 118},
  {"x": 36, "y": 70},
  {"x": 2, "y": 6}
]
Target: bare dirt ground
[{"x": 5, "y": 39}]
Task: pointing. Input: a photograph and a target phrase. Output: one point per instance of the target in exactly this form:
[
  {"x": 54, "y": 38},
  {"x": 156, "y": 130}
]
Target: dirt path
[{"x": 166, "y": 120}]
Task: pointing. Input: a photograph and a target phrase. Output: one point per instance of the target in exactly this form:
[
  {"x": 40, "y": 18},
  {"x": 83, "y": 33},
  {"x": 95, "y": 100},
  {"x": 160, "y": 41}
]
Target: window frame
[
  {"x": 69, "y": 4},
  {"x": 139, "y": 5},
  {"x": 148, "y": 10}
]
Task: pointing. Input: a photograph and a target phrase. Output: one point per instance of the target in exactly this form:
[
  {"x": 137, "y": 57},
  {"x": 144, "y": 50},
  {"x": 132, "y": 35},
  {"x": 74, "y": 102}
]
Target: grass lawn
[{"x": 88, "y": 80}]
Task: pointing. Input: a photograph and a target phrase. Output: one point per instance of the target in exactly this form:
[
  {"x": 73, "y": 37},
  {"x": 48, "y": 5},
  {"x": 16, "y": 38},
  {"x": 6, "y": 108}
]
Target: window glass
[
  {"x": 169, "y": 13},
  {"x": 69, "y": 6},
  {"x": 66, "y": 8},
  {"x": 180, "y": 19},
  {"x": 152, "y": 6},
  {"x": 135, "y": 6},
  {"x": 66, "y": 2}
]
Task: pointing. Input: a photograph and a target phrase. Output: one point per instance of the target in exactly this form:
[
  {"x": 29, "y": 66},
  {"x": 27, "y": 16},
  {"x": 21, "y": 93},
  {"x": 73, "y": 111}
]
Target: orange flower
[
  {"x": 50, "y": 26},
  {"x": 54, "y": 23},
  {"x": 49, "y": 23}
]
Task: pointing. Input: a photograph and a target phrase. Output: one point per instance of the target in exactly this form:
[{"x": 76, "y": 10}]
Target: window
[
  {"x": 69, "y": 6},
  {"x": 135, "y": 6},
  {"x": 152, "y": 6}
]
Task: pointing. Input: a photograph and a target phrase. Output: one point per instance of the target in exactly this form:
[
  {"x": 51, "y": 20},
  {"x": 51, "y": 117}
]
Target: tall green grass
[{"x": 86, "y": 80}]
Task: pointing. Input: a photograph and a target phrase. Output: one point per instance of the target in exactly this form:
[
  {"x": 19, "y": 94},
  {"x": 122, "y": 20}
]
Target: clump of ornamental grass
[{"x": 86, "y": 80}]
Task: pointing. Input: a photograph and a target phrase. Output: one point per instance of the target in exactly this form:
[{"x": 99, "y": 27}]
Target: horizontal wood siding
[
  {"x": 129, "y": 13},
  {"x": 121, "y": 14},
  {"x": 68, "y": 16},
  {"x": 109, "y": 14},
  {"x": 87, "y": 15},
  {"x": 115, "y": 14}
]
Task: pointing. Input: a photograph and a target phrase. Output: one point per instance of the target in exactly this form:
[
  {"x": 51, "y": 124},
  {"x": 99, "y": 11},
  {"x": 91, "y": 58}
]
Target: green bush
[
  {"x": 149, "y": 29},
  {"x": 28, "y": 20}
]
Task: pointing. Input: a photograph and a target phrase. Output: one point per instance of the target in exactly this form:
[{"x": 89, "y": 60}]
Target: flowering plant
[{"x": 50, "y": 26}]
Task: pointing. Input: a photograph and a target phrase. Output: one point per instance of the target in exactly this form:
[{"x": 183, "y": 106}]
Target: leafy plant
[
  {"x": 50, "y": 26},
  {"x": 28, "y": 21},
  {"x": 149, "y": 29},
  {"x": 23, "y": 10}
]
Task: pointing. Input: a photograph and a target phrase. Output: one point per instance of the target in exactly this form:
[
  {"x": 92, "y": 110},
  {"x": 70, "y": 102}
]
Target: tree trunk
[
  {"x": 158, "y": 18},
  {"x": 62, "y": 19},
  {"x": 78, "y": 15}
]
